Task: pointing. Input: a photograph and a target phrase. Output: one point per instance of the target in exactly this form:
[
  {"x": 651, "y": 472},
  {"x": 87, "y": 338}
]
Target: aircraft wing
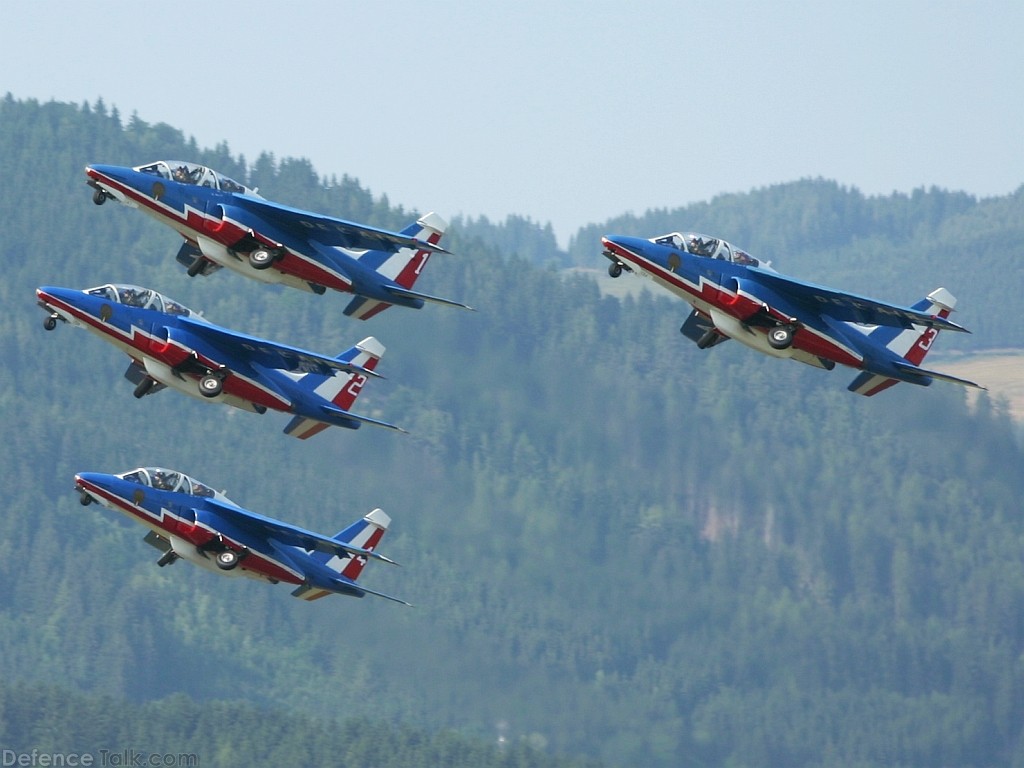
[
  {"x": 848, "y": 307},
  {"x": 284, "y": 533},
  {"x": 330, "y": 231},
  {"x": 268, "y": 353}
]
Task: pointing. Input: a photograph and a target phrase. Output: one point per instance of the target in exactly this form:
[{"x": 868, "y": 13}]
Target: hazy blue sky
[{"x": 568, "y": 112}]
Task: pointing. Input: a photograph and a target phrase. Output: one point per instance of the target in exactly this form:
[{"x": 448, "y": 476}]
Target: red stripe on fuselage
[
  {"x": 709, "y": 294},
  {"x": 190, "y": 223},
  {"x": 138, "y": 344},
  {"x": 195, "y": 534}
]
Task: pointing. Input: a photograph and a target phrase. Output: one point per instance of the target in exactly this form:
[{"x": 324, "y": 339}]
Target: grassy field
[{"x": 1002, "y": 371}]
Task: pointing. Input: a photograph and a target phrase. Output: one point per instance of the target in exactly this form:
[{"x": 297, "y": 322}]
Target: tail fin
[
  {"x": 341, "y": 389},
  {"x": 365, "y": 533},
  {"x": 428, "y": 228},
  {"x": 403, "y": 269},
  {"x": 912, "y": 344}
]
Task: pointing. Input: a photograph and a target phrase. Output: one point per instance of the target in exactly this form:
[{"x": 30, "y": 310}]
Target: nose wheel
[
  {"x": 99, "y": 196},
  {"x": 50, "y": 322},
  {"x": 614, "y": 269}
]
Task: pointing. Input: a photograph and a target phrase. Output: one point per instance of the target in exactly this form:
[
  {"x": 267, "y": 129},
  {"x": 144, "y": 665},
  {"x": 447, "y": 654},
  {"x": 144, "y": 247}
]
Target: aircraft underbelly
[
  {"x": 746, "y": 335},
  {"x": 810, "y": 345},
  {"x": 220, "y": 254},
  {"x": 164, "y": 374},
  {"x": 308, "y": 270}
]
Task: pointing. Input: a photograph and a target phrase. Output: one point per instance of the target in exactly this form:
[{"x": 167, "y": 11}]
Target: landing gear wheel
[
  {"x": 99, "y": 197},
  {"x": 210, "y": 385},
  {"x": 262, "y": 258},
  {"x": 50, "y": 323},
  {"x": 781, "y": 336},
  {"x": 85, "y": 499},
  {"x": 227, "y": 559},
  {"x": 614, "y": 269}
]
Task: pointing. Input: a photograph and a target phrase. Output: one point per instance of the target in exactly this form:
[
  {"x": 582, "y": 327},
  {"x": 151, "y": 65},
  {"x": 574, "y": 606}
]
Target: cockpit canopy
[
  {"x": 144, "y": 298},
  {"x": 709, "y": 247},
  {"x": 193, "y": 173},
  {"x": 170, "y": 480}
]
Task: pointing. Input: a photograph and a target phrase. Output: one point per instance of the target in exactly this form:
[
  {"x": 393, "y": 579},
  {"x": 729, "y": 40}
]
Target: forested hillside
[
  {"x": 618, "y": 546},
  {"x": 178, "y": 731}
]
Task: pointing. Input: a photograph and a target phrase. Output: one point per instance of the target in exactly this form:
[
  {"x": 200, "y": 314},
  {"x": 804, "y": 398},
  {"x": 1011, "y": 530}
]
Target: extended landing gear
[
  {"x": 781, "y": 336},
  {"x": 50, "y": 322},
  {"x": 99, "y": 196},
  {"x": 211, "y": 385},
  {"x": 262, "y": 258},
  {"x": 84, "y": 499},
  {"x": 227, "y": 559},
  {"x": 614, "y": 269}
]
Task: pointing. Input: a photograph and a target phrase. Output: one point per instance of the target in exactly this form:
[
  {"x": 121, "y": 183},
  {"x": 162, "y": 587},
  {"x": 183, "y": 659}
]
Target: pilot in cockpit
[
  {"x": 164, "y": 481},
  {"x": 697, "y": 246}
]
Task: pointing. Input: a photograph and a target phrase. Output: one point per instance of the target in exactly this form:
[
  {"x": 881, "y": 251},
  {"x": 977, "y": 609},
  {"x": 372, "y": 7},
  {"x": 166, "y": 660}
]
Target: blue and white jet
[
  {"x": 226, "y": 224},
  {"x": 189, "y": 520},
  {"x": 172, "y": 346},
  {"x": 735, "y": 296}
]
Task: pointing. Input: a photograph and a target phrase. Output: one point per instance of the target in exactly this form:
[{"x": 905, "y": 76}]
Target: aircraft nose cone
[
  {"x": 87, "y": 484},
  {"x": 96, "y": 170},
  {"x": 617, "y": 244},
  {"x": 50, "y": 293},
  {"x": 86, "y": 480},
  {"x": 109, "y": 175}
]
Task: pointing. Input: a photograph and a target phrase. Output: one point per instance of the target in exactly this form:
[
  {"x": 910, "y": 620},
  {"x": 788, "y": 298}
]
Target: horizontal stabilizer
[
  {"x": 350, "y": 586},
  {"x": 915, "y": 371},
  {"x": 342, "y": 413},
  {"x": 409, "y": 294},
  {"x": 309, "y": 593}
]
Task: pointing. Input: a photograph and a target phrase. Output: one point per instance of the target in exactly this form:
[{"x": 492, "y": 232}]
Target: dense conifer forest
[{"x": 620, "y": 547}]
